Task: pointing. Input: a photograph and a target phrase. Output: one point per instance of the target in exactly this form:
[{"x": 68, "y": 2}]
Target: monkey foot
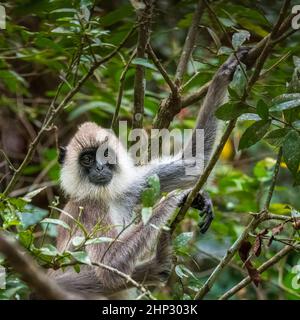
[{"x": 204, "y": 204}]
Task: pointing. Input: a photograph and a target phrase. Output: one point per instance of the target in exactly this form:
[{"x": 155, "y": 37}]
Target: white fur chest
[{"x": 120, "y": 216}]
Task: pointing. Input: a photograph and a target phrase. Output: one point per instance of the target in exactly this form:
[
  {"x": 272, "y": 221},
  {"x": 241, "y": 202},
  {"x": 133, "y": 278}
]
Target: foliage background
[{"x": 43, "y": 37}]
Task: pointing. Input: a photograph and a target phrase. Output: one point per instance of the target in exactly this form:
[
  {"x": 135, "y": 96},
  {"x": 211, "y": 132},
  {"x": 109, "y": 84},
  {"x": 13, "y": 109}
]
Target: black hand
[{"x": 204, "y": 204}]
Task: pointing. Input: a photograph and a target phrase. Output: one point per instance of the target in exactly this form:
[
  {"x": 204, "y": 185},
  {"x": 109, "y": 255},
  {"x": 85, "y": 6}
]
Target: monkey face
[
  {"x": 98, "y": 165},
  {"x": 95, "y": 165}
]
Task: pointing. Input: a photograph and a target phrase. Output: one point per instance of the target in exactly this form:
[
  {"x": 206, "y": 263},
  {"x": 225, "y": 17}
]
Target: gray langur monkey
[{"x": 109, "y": 193}]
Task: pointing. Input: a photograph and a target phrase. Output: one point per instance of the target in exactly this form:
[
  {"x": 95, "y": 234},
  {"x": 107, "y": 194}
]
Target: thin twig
[
  {"x": 126, "y": 277},
  {"x": 247, "y": 280},
  {"x": 189, "y": 43},
  {"x": 11, "y": 166},
  {"x": 281, "y": 17},
  {"x": 274, "y": 179},
  {"x": 161, "y": 69},
  {"x": 121, "y": 90}
]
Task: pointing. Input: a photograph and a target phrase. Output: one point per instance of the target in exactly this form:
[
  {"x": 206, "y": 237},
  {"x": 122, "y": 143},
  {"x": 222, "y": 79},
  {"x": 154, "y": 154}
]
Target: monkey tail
[{"x": 215, "y": 97}]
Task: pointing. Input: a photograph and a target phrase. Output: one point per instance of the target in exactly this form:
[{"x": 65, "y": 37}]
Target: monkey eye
[
  {"x": 106, "y": 152},
  {"x": 87, "y": 160}
]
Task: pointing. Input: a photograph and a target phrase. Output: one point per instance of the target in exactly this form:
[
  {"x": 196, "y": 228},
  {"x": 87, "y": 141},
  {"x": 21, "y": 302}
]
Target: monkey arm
[
  {"x": 124, "y": 254},
  {"x": 176, "y": 173},
  {"x": 157, "y": 269}
]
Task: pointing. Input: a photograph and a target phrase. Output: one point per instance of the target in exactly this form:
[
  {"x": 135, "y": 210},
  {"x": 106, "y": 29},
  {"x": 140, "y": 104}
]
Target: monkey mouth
[{"x": 100, "y": 180}]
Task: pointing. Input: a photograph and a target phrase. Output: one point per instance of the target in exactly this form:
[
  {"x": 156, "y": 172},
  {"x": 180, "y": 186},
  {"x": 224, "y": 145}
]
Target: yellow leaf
[{"x": 227, "y": 151}]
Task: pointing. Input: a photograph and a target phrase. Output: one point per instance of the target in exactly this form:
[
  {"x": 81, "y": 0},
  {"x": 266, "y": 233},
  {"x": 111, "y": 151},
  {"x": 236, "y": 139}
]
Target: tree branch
[
  {"x": 255, "y": 221},
  {"x": 30, "y": 272},
  {"x": 195, "y": 96},
  {"x": 121, "y": 89},
  {"x": 273, "y": 182},
  {"x": 247, "y": 280},
  {"x": 162, "y": 70},
  {"x": 172, "y": 105},
  {"x": 144, "y": 26},
  {"x": 189, "y": 43},
  {"x": 126, "y": 277}
]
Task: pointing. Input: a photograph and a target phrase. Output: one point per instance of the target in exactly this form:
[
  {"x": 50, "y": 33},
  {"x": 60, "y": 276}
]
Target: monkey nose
[{"x": 99, "y": 167}]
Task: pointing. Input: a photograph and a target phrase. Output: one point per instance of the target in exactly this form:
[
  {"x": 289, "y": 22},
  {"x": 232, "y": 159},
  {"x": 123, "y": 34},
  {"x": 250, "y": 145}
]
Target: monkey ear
[{"x": 62, "y": 154}]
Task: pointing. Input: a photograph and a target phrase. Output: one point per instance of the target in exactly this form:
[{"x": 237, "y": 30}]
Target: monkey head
[{"x": 94, "y": 164}]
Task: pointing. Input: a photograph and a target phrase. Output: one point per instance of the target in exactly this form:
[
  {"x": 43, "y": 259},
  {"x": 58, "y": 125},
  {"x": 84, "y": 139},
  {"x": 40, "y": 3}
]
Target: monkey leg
[
  {"x": 158, "y": 269},
  {"x": 124, "y": 254}
]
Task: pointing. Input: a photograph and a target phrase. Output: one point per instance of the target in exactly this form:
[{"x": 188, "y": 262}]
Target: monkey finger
[{"x": 205, "y": 224}]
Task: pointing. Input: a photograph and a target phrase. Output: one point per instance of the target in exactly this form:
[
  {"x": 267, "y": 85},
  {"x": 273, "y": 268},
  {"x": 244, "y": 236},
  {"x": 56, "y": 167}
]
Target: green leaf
[
  {"x": 77, "y": 241},
  {"x": 215, "y": 37},
  {"x": 151, "y": 194},
  {"x": 146, "y": 214},
  {"x": 224, "y": 50},
  {"x": 291, "y": 151},
  {"x": 57, "y": 222},
  {"x": 183, "y": 272},
  {"x": 28, "y": 197},
  {"x": 286, "y": 105},
  {"x": 64, "y": 10},
  {"x": 233, "y": 94},
  {"x": 239, "y": 80},
  {"x": 263, "y": 169},
  {"x": 262, "y": 109},
  {"x": 31, "y": 215},
  {"x": 49, "y": 250},
  {"x": 179, "y": 271},
  {"x": 239, "y": 38},
  {"x": 254, "y": 133},
  {"x": 297, "y": 179},
  {"x": 93, "y": 105},
  {"x": 61, "y": 30},
  {"x": 117, "y": 15},
  {"x": 76, "y": 268},
  {"x": 182, "y": 240},
  {"x": 82, "y": 257},
  {"x": 25, "y": 238},
  {"x": 231, "y": 110},
  {"x": 285, "y": 97},
  {"x": 143, "y": 62},
  {"x": 99, "y": 240},
  {"x": 154, "y": 183},
  {"x": 276, "y": 137}
]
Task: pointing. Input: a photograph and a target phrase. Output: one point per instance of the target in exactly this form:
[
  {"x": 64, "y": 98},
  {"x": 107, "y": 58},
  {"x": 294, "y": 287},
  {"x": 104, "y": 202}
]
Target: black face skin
[{"x": 99, "y": 172}]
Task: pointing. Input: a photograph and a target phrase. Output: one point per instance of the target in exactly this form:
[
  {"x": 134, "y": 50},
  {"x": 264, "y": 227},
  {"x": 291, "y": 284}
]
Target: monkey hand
[
  {"x": 203, "y": 203},
  {"x": 228, "y": 68}
]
